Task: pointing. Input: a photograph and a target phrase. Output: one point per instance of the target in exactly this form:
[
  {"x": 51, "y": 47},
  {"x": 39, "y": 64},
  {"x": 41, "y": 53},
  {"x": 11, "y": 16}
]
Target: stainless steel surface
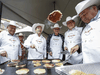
[{"x": 93, "y": 68}]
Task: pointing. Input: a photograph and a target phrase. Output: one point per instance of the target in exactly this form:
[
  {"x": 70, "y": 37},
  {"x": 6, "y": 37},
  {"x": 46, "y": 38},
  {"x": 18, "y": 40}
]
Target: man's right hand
[
  {"x": 50, "y": 53},
  {"x": 32, "y": 46},
  {"x": 3, "y": 53},
  {"x": 65, "y": 48}
]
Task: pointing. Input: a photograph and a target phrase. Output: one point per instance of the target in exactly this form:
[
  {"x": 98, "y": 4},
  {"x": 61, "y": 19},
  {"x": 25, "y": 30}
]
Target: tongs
[
  {"x": 38, "y": 51},
  {"x": 69, "y": 56},
  {"x": 64, "y": 52}
]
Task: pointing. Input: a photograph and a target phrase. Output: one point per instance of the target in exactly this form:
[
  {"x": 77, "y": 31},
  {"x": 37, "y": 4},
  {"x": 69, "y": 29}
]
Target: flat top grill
[{"x": 93, "y": 68}]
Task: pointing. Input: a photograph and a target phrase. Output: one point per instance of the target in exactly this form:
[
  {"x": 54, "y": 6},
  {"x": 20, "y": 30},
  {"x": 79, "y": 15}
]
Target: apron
[
  {"x": 56, "y": 47},
  {"x": 73, "y": 38},
  {"x": 91, "y": 43},
  {"x": 11, "y": 47},
  {"x": 39, "y": 44}
]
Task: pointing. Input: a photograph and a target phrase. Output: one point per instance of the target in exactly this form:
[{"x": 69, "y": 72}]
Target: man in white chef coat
[
  {"x": 36, "y": 43},
  {"x": 55, "y": 43},
  {"x": 73, "y": 40},
  {"x": 9, "y": 43},
  {"x": 90, "y": 15}
]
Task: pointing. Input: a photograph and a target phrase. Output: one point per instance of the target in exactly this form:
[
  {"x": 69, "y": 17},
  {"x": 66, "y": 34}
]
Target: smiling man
[
  {"x": 73, "y": 39},
  {"x": 89, "y": 14},
  {"x": 36, "y": 43},
  {"x": 55, "y": 43},
  {"x": 10, "y": 43}
]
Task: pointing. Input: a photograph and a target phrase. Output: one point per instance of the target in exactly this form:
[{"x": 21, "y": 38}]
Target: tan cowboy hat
[
  {"x": 20, "y": 34},
  {"x": 56, "y": 26},
  {"x": 37, "y": 24},
  {"x": 6, "y": 24},
  {"x": 85, "y": 4},
  {"x": 75, "y": 18}
]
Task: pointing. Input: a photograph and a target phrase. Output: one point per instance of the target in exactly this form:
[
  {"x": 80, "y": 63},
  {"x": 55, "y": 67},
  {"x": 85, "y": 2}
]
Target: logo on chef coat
[
  {"x": 56, "y": 40},
  {"x": 71, "y": 35},
  {"x": 88, "y": 31},
  {"x": 39, "y": 41}
]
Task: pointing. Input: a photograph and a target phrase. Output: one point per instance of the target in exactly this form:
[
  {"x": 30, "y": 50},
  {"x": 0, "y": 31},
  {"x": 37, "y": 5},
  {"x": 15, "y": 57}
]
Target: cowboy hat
[
  {"x": 37, "y": 24},
  {"x": 20, "y": 34},
  {"x": 56, "y": 26},
  {"x": 85, "y": 4},
  {"x": 75, "y": 18},
  {"x": 6, "y": 24}
]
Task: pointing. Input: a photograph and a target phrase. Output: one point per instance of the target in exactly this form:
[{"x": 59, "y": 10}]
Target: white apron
[
  {"x": 91, "y": 42},
  {"x": 73, "y": 38},
  {"x": 56, "y": 47},
  {"x": 39, "y": 44}
]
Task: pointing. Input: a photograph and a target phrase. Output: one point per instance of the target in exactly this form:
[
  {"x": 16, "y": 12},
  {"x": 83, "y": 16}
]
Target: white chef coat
[
  {"x": 40, "y": 44},
  {"x": 56, "y": 47},
  {"x": 91, "y": 41},
  {"x": 72, "y": 38},
  {"x": 11, "y": 45}
]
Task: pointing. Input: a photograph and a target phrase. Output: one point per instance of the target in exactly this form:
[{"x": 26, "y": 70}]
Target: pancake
[
  {"x": 48, "y": 65},
  {"x": 39, "y": 71},
  {"x": 55, "y": 61},
  {"x": 37, "y": 64},
  {"x": 46, "y": 61},
  {"x": 59, "y": 64},
  {"x": 36, "y": 61},
  {"x": 22, "y": 71}
]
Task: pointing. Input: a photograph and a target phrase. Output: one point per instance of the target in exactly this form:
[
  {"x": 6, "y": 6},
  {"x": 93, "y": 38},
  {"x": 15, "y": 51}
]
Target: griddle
[
  {"x": 30, "y": 66},
  {"x": 93, "y": 68}
]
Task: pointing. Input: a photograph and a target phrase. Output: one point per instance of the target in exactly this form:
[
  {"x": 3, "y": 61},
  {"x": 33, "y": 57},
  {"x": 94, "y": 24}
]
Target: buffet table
[{"x": 30, "y": 66}]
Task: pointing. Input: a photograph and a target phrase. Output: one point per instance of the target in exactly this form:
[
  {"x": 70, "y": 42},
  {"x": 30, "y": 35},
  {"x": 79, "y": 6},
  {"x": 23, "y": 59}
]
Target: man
[
  {"x": 36, "y": 43},
  {"x": 24, "y": 52},
  {"x": 10, "y": 43},
  {"x": 89, "y": 14},
  {"x": 55, "y": 43},
  {"x": 73, "y": 40}
]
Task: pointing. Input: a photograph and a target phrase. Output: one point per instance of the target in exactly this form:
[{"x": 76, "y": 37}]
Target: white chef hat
[
  {"x": 85, "y": 4},
  {"x": 56, "y": 26},
  {"x": 37, "y": 24},
  {"x": 75, "y": 18}
]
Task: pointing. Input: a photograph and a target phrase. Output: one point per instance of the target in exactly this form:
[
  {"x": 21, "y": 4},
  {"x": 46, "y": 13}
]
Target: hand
[
  {"x": 50, "y": 53},
  {"x": 32, "y": 46},
  {"x": 3, "y": 53},
  {"x": 65, "y": 48},
  {"x": 74, "y": 49}
]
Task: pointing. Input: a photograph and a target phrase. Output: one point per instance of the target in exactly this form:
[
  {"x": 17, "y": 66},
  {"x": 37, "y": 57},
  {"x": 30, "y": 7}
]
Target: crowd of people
[{"x": 83, "y": 44}]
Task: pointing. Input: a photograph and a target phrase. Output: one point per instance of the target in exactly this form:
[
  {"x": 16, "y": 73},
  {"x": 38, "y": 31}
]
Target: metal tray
[{"x": 93, "y": 68}]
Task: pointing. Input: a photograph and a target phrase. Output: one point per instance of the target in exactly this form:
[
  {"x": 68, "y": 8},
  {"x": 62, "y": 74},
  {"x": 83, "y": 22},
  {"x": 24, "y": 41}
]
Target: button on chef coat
[
  {"x": 56, "y": 47},
  {"x": 11, "y": 45},
  {"x": 91, "y": 41},
  {"x": 72, "y": 38},
  {"x": 40, "y": 44}
]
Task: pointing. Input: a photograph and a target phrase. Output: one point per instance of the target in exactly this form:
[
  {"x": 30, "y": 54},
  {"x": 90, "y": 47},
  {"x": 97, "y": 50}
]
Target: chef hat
[
  {"x": 75, "y": 18},
  {"x": 6, "y": 24},
  {"x": 56, "y": 26},
  {"x": 35, "y": 25},
  {"x": 20, "y": 34},
  {"x": 85, "y": 4}
]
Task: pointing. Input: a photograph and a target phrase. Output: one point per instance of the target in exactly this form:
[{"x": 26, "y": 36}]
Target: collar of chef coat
[
  {"x": 97, "y": 16},
  {"x": 9, "y": 33},
  {"x": 72, "y": 29},
  {"x": 56, "y": 35},
  {"x": 38, "y": 36}
]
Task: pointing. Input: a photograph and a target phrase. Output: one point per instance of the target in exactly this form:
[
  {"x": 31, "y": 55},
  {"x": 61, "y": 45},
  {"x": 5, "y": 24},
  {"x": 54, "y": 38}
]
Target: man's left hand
[{"x": 74, "y": 49}]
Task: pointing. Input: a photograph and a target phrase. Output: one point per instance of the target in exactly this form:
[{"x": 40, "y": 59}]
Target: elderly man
[
  {"x": 73, "y": 39},
  {"x": 10, "y": 43},
  {"x": 36, "y": 43},
  {"x": 55, "y": 43},
  {"x": 89, "y": 14}
]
